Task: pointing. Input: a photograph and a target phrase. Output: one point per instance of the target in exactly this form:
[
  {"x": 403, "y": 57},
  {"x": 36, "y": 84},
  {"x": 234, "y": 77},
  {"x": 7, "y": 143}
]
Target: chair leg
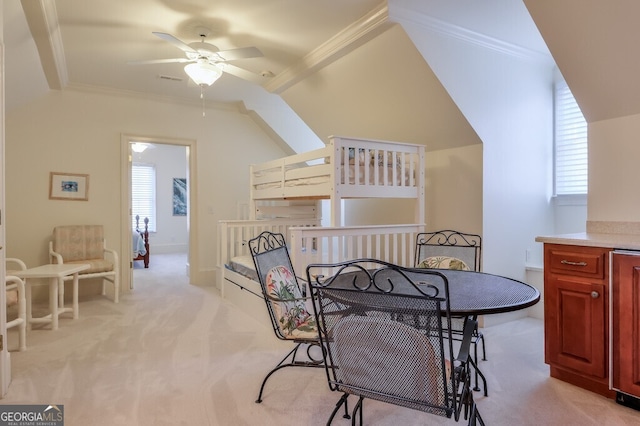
[
  {"x": 277, "y": 367},
  {"x": 292, "y": 363},
  {"x": 478, "y": 373},
  {"x": 474, "y": 416},
  {"x": 116, "y": 288},
  {"x": 22, "y": 315},
  {"x": 343, "y": 400},
  {"x": 357, "y": 412}
]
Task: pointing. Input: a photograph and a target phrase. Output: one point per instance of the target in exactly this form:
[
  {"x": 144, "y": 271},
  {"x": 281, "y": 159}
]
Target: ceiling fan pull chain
[{"x": 202, "y": 97}]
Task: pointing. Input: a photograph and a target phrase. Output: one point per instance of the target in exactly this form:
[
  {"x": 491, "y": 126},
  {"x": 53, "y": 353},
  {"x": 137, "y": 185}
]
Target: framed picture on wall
[
  {"x": 179, "y": 196},
  {"x": 68, "y": 186}
]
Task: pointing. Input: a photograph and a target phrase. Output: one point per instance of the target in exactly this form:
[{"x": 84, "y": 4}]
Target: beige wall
[
  {"x": 382, "y": 90},
  {"x": 453, "y": 195},
  {"x": 614, "y": 162},
  {"x": 80, "y": 133},
  {"x": 386, "y": 90},
  {"x": 454, "y": 189}
]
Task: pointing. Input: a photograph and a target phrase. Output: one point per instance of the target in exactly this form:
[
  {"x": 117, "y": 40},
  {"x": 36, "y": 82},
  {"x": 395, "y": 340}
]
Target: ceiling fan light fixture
[
  {"x": 139, "y": 146},
  {"x": 203, "y": 73}
]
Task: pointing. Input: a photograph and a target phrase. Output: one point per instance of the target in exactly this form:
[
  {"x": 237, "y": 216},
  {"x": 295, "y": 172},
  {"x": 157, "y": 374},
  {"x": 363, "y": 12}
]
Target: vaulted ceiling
[
  {"x": 65, "y": 44},
  {"x": 594, "y": 44}
]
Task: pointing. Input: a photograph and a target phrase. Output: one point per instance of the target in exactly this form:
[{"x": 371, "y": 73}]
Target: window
[
  {"x": 570, "y": 168},
  {"x": 143, "y": 194}
]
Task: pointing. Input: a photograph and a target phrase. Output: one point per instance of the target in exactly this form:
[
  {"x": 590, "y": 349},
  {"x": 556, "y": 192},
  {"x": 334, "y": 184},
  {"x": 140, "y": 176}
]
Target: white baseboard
[{"x": 168, "y": 248}]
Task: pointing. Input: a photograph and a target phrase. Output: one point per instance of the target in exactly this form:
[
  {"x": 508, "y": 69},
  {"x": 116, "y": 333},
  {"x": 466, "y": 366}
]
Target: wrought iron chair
[
  {"x": 449, "y": 249},
  {"x": 384, "y": 339},
  {"x": 289, "y": 308}
]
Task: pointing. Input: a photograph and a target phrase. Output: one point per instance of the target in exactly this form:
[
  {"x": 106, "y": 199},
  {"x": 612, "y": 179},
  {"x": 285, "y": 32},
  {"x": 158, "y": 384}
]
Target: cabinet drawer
[{"x": 581, "y": 261}]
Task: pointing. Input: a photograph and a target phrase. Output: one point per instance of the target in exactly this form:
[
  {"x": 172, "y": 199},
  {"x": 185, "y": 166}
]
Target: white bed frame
[
  {"x": 233, "y": 238},
  {"x": 326, "y": 178},
  {"x": 392, "y": 243},
  {"x": 307, "y": 243}
]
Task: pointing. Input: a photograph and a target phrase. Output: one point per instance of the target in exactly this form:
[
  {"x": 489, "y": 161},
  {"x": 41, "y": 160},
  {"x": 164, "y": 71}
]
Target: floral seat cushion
[
  {"x": 444, "y": 262},
  {"x": 294, "y": 320}
]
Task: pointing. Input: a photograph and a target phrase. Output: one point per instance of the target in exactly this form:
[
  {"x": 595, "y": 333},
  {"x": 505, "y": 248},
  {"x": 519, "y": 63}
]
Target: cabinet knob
[{"x": 595, "y": 294}]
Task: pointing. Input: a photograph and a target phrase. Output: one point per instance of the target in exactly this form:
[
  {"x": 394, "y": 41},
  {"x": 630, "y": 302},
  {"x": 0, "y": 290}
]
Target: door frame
[
  {"x": 5, "y": 364},
  {"x": 126, "y": 263}
]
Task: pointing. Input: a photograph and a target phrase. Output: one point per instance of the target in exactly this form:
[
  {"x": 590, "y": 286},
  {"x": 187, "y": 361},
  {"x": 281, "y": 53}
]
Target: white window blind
[
  {"x": 143, "y": 194},
  {"x": 571, "y": 164}
]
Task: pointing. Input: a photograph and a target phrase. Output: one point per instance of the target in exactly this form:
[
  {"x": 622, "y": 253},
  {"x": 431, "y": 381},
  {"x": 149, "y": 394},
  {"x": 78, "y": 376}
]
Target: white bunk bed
[
  {"x": 346, "y": 168},
  {"x": 236, "y": 273}
]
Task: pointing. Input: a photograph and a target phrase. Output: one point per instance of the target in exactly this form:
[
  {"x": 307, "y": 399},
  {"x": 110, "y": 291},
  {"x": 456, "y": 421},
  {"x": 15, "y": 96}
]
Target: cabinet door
[
  {"x": 626, "y": 324},
  {"x": 575, "y": 325}
]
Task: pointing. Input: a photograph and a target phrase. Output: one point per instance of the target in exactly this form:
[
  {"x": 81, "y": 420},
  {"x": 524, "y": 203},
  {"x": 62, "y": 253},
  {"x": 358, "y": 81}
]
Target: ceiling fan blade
[
  {"x": 160, "y": 61},
  {"x": 176, "y": 42},
  {"x": 240, "y": 53},
  {"x": 242, "y": 73}
]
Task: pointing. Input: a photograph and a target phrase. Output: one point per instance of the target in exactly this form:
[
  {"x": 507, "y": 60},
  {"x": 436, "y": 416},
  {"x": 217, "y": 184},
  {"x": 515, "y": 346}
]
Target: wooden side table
[{"x": 56, "y": 274}]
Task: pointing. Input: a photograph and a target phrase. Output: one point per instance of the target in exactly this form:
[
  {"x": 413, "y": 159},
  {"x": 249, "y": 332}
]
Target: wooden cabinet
[
  {"x": 576, "y": 312},
  {"x": 626, "y": 323}
]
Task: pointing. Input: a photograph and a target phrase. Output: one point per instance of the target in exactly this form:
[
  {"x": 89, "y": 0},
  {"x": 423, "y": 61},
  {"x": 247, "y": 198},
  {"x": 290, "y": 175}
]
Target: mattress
[{"x": 244, "y": 266}]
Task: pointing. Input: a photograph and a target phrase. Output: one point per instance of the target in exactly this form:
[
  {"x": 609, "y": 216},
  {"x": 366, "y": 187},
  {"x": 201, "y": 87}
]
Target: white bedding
[{"x": 138, "y": 245}]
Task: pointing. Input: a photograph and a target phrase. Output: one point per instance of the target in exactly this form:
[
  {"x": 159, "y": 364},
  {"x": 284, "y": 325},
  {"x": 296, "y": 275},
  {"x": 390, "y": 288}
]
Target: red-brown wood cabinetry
[
  {"x": 576, "y": 315},
  {"x": 626, "y": 323}
]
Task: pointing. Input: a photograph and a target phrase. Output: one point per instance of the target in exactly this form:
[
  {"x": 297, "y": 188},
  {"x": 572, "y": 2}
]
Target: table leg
[
  {"x": 60, "y": 293},
  {"x": 53, "y": 302},
  {"x": 76, "y": 310},
  {"x": 27, "y": 288}
]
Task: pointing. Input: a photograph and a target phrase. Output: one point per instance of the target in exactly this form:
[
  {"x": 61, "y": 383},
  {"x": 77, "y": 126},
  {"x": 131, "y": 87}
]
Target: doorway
[{"x": 171, "y": 224}]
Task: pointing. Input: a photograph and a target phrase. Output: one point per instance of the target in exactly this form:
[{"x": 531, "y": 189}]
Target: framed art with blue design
[
  {"x": 179, "y": 196},
  {"x": 68, "y": 186}
]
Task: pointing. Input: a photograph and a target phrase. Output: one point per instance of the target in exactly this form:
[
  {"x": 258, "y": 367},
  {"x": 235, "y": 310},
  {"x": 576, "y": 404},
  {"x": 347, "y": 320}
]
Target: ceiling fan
[{"x": 206, "y": 62}]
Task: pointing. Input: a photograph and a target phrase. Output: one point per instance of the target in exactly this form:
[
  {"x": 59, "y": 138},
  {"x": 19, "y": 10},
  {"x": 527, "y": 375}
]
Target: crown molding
[
  {"x": 347, "y": 40},
  {"x": 196, "y": 102},
  {"x": 447, "y": 29}
]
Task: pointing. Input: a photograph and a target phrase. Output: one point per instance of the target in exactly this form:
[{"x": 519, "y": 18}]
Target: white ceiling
[
  {"x": 93, "y": 41},
  {"x": 86, "y": 45}
]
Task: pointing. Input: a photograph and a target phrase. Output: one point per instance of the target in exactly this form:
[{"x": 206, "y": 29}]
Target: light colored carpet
[{"x": 174, "y": 354}]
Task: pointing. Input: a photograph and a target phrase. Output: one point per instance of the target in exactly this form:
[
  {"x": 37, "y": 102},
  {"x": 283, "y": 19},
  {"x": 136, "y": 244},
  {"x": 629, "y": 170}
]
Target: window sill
[{"x": 570, "y": 200}]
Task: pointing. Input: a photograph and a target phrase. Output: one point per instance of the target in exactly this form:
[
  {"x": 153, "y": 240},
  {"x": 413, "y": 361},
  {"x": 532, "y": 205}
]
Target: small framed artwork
[
  {"x": 179, "y": 196},
  {"x": 68, "y": 186}
]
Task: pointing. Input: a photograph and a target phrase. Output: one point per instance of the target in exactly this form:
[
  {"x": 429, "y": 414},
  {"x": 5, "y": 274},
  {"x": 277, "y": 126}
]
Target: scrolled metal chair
[
  {"x": 450, "y": 249},
  {"x": 288, "y": 306},
  {"x": 383, "y": 338}
]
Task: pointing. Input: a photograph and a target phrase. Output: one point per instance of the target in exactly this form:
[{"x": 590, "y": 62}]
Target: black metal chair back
[
  {"x": 442, "y": 249},
  {"x": 291, "y": 316},
  {"x": 384, "y": 339},
  {"x": 289, "y": 307},
  {"x": 450, "y": 249}
]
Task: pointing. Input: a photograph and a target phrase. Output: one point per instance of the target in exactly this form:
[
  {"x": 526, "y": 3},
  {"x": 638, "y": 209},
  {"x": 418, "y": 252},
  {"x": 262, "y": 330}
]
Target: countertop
[
  {"x": 592, "y": 239},
  {"x": 614, "y": 235}
]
